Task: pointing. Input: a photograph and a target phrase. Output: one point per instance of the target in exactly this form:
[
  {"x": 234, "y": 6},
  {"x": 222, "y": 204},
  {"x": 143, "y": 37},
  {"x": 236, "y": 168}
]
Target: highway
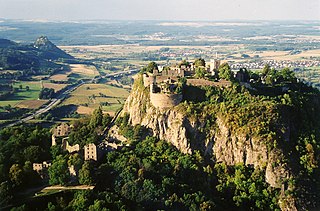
[
  {"x": 52, "y": 103},
  {"x": 120, "y": 73},
  {"x": 56, "y": 101}
]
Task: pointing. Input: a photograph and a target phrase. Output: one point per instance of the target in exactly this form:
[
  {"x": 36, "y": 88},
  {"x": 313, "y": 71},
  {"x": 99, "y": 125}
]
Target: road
[
  {"x": 52, "y": 103},
  {"x": 120, "y": 73},
  {"x": 56, "y": 101},
  {"x": 59, "y": 187}
]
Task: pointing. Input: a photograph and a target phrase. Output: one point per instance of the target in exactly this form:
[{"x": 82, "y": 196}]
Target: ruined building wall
[
  {"x": 147, "y": 80},
  {"x": 160, "y": 100},
  {"x": 70, "y": 148}
]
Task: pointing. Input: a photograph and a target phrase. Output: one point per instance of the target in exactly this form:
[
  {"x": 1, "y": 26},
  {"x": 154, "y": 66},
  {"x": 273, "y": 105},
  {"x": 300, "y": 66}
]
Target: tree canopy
[
  {"x": 58, "y": 171},
  {"x": 225, "y": 72},
  {"x": 150, "y": 67},
  {"x": 199, "y": 62}
]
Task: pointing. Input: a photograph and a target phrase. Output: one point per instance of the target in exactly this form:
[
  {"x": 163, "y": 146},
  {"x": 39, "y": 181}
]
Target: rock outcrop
[
  {"x": 224, "y": 145},
  {"x": 44, "y": 44},
  {"x": 49, "y": 50}
]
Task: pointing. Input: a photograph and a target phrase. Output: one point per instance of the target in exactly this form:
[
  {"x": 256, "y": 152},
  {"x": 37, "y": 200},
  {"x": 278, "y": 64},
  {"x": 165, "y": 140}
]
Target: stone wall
[
  {"x": 160, "y": 100},
  {"x": 70, "y": 148},
  {"x": 62, "y": 130},
  {"x": 148, "y": 79}
]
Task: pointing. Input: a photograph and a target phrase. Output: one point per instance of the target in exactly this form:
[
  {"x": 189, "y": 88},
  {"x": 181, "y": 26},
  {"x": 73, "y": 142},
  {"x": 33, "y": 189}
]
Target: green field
[
  {"x": 23, "y": 94},
  {"x": 91, "y": 96}
]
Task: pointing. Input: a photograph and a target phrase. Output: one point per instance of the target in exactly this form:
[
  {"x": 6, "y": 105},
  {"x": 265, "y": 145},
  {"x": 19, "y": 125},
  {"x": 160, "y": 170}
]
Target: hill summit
[
  {"x": 31, "y": 59},
  {"x": 43, "y": 43},
  {"x": 49, "y": 50}
]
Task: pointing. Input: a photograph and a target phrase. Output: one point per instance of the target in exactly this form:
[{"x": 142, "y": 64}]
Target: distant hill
[
  {"x": 49, "y": 50},
  {"x": 32, "y": 59},
  {"x": 4, "y": 43}
]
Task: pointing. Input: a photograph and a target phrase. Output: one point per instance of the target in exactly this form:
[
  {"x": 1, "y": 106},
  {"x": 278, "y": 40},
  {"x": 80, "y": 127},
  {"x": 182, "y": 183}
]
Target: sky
[{"x": 187, "y": 10}]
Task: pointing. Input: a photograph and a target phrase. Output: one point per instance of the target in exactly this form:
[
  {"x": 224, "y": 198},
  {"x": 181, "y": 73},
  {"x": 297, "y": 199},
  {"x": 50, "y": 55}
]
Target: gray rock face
[{"x": 165, "y": 124}]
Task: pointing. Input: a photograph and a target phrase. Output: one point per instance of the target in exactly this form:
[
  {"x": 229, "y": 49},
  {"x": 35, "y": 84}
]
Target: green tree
[
  {"x": 80, "y": 201},
  {"x": 5, "y": 194},
  {"x": 58, "y": 171},
  {"x": 150, "y": 67},
  {"x": 286, "y": 75},
  {"x": 200, "y": 72},
  {"x": 76, "y": 161},
  {"x": 185, "y": 63},
  {"x": 85, "y": 177},
  {"x": 271, "y": 77},
  {"x": 55, "y": 151},
  {"x": 33, "y": 153},
  {"x": 16, "y": 174},
  {"x": 20, "y": 208},
  {"x": 51, "y": 207},
  {"x": 199, "y": 62},
  {"x": 96, "y": 118},
  {"x": 225, "y": 72},
  {"x": 30, "y": 176},
  {"x": 46, "y": 93},
  {"x": 98, "y": 205},
  {"x": 266, "y": 70}
]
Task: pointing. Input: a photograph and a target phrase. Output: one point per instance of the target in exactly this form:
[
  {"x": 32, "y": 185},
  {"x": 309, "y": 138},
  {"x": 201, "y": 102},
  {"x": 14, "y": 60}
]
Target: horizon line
[{"x": 156, "y": 20}]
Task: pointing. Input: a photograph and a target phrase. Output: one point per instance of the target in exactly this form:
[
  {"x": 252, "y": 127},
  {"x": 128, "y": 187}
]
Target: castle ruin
[{"x": 165, "y": 88}]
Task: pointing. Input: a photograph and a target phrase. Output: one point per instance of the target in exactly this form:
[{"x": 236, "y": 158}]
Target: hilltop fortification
[
  {"x": 163, "y": 93},
  {"x": 229, "y": 126}
]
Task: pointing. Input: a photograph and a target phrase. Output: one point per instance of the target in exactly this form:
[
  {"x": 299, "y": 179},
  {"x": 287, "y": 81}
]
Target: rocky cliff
[{"x": 220, "y": 141}]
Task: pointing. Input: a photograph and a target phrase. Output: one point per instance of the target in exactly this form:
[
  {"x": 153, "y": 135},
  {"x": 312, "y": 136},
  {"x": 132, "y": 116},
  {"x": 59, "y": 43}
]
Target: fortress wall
[
  {"x": 74, "y": 148},
  {"x": 160, "y": 100},
  {"x": 147, "y": 80}
]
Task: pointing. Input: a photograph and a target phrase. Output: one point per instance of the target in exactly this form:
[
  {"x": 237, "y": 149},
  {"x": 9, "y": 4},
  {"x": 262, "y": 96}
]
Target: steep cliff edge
[{"x": 216, "y": 130}]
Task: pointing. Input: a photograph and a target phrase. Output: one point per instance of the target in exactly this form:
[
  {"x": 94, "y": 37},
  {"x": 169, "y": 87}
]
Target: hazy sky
[{"x": 161, "y": 9}]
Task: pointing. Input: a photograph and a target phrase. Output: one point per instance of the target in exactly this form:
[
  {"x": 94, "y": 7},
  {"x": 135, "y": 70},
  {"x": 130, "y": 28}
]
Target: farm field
[
  {"x": 91, "y": 96},
  {"x": 56, "y": 87},
  {"x": 107, "y": 51},
  {"x": 61, "y": 76},
  {"x": 23, "y": 94},
  {"x": 31, "y": 104},
  {"x": 84, "y": 70},
  {"x": 77, "y": 71},
  {"x": 281, "y": 55}
]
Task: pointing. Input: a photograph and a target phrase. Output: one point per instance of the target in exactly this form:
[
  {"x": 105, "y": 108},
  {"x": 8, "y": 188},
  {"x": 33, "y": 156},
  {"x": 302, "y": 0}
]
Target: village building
[
  {"x": 214, "y": 64},
  {"x": 93, "y": 152},
  {"x": 62, "y": 130},
  {"x": 42, "y": 169},
  {"x": 90, "y": 152}
]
